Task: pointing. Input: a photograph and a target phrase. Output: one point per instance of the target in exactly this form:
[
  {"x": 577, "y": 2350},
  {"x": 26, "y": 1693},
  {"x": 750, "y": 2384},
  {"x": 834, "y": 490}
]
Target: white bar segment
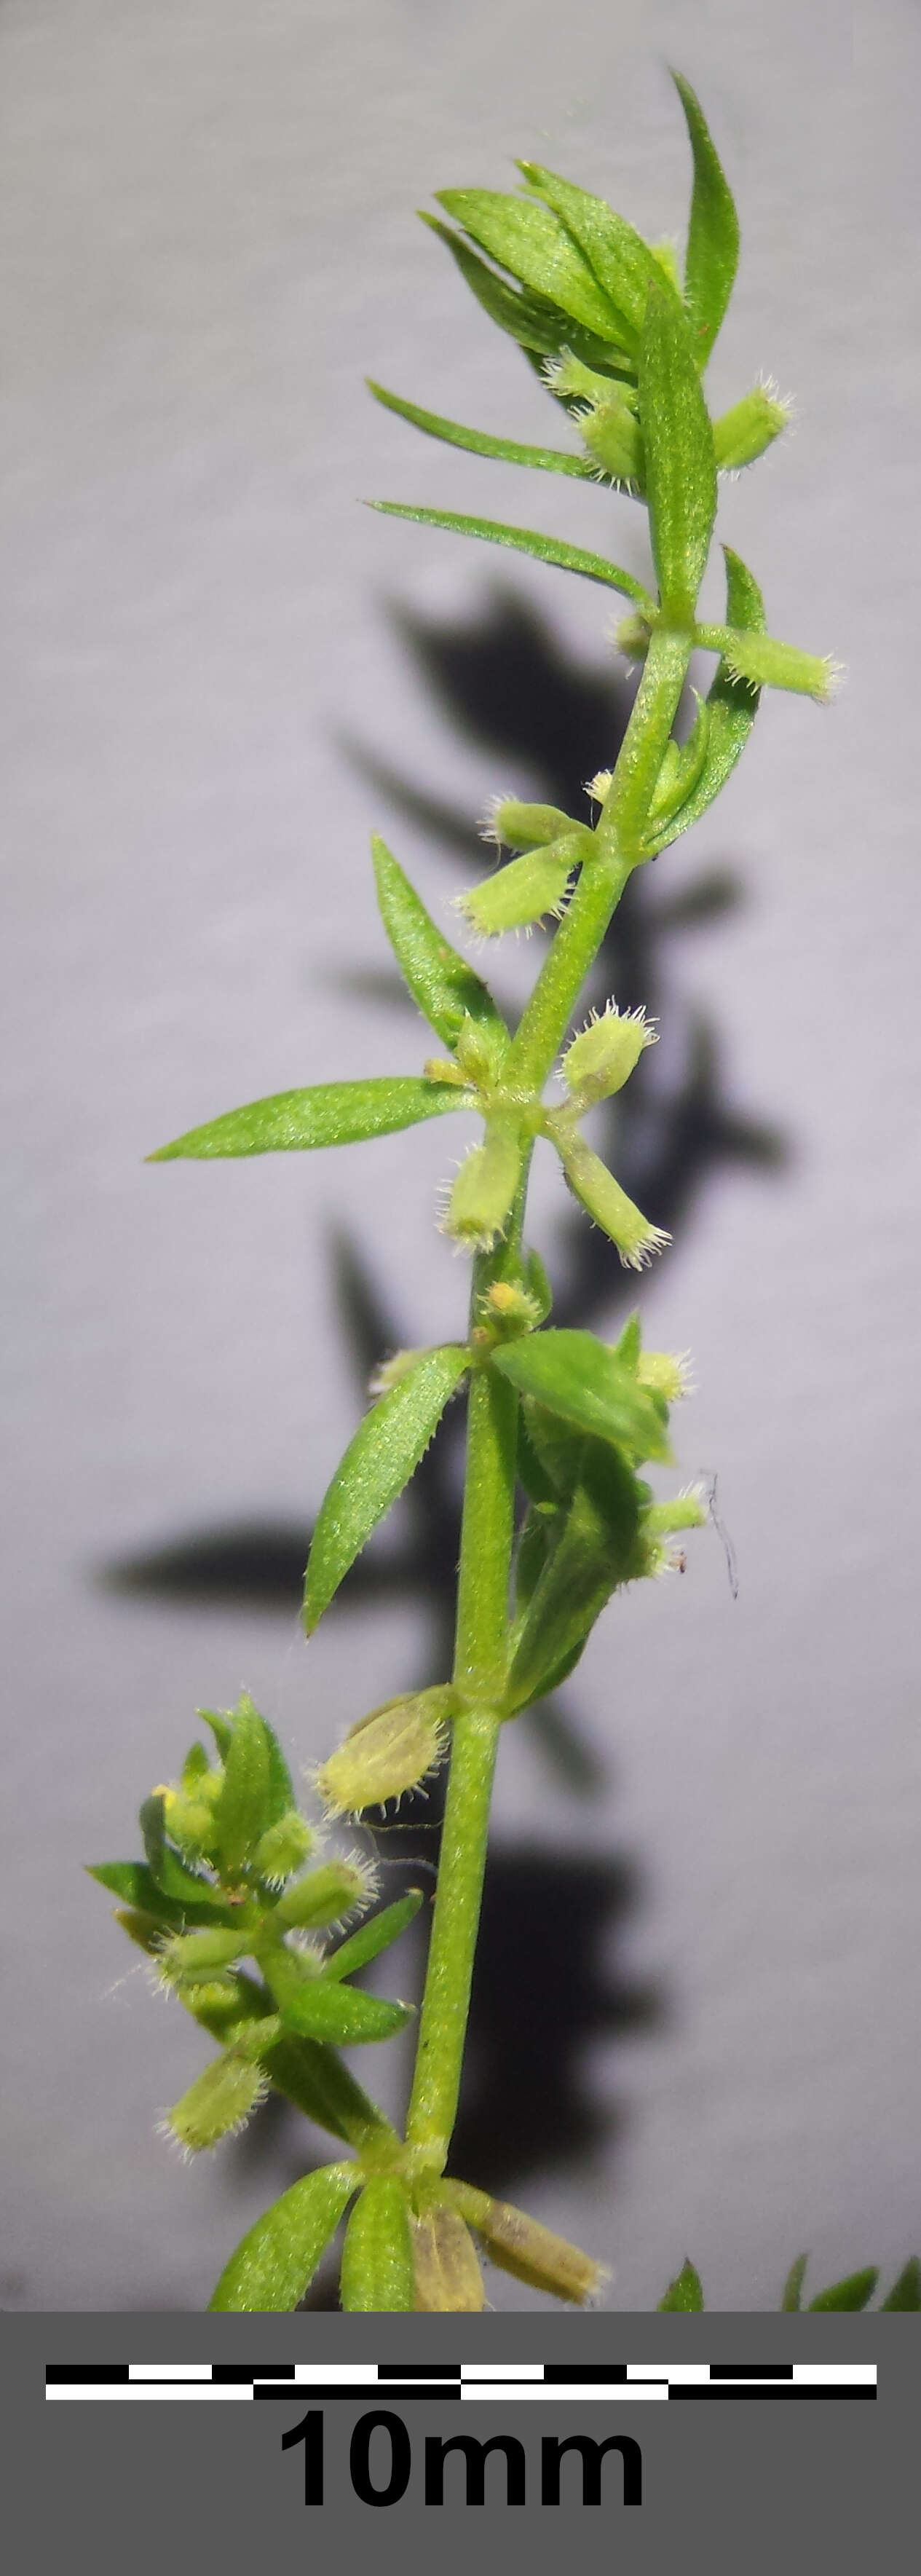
[
  {"x": 141, "y": 2392},
  {"x": 169, "y": 2370},
  {"x": 614, "y": 2392}
]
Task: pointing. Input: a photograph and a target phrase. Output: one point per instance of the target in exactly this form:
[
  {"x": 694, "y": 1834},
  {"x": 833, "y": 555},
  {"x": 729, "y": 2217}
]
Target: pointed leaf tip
[{"x": 712, "y": 252}]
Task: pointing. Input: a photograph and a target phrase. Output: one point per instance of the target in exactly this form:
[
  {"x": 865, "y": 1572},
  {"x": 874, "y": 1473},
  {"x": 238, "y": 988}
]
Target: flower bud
[
  {"x": 389, "y": 1372},
  {"x": 611, "y": 433},
  {"x": 665, "y": 1373},
  {"x": 526, "y": 889},
  {"x": 283, "y": 1848},
  {"x": 514, "y": 826},
  {"x": 742, "y": 434},
  {"x": 510, "y": 1309},
  {"x": 194, "y": 1958},
  {"x": 445, "y": 2262},
  {"x": 608, "y": 1205},
  {"x": 190, "y": 1823},
  {"x": 324, "y": 1895},
  {"x": 633, "y": 637},
  {"x": 482, "y": 1194},
  {"x": 686, "y": 1511},
  {"x": 388, "y": 1752},
  {"x": 481, "y": 1049},
  {"x": 531, "y": 2253},
  {"x": 221, "y": 2100},
  {"x": 601, "y": 1059}
]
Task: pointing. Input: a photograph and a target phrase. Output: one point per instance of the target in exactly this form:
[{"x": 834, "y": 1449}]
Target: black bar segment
[
  {"x": 235, "y": 2374},
  {"x": 358, "y": 2392},
  {"x": 418, "y": 2370},
  {"x": 759, "y": 2391},
  {"x": 583, "y": 2374},
  {"x": 86, "y": 2374},
  {"x": 751, "y": 2369}
]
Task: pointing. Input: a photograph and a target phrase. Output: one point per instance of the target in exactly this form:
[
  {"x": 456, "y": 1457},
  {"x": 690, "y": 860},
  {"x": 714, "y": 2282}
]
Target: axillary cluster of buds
[{"x": 231, "y": 1875}]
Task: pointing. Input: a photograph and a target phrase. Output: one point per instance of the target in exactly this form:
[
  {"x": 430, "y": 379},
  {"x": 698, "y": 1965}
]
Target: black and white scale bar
[{"x": 553, "y": 2382}]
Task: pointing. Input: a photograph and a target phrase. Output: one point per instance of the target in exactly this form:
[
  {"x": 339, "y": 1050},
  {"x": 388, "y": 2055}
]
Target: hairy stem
[
  {"x": 479, "y": 1673},
  {"x": 569, "y": 960},
  {"x": 481, "y": 1652}
]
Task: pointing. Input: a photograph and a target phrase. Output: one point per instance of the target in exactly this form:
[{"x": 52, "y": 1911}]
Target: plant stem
[
  {"x": 547, "y": 1015},
  {"x": 479, "y": 1672},
  {"x": 481, "y": 1652}
]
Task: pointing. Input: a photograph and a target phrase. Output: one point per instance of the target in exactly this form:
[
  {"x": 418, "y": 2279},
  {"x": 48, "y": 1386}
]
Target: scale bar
[{"x": 478, "y": 2382}]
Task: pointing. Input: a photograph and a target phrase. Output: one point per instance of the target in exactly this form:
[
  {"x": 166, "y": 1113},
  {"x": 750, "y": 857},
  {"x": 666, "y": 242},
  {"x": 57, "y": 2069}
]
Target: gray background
[{"x": 207, "y": 238}]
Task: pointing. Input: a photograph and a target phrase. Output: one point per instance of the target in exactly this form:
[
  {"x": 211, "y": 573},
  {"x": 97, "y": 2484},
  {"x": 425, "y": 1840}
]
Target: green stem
[
  {"x": 479, "y": 1673},
  {"x": 481, "y": 1653},
  {"x": 547, "y": 1015}
]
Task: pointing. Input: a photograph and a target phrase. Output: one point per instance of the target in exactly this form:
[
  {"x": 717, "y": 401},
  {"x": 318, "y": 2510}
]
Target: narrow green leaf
[
  {"x": 275, "y": 2262},
  {"x": 855, "y": 2292},
  {"x": 906, "y": 2291},
  {"x": 377, "y": 2260},
  {"x": 525, "y": 541},
  {"x": 480, "y": 442},
  {"x": 583, "y": 1381},
  {"x": 244, "y": 1809},
  {"x": 373, "y": 1937},
  {"x": 341, "y": 2016},
  {"x": 622, "y": 262},
  {"x": 712, "y": 251},
  {"x": 684, "y": 2295},
  {"x": 538, "y": 325},
  {"x": 133, "y": 1882},
  {"x": 378, "y": 1462},
  {"x": 732, "y": 706},
  {"x": 447, "y": 990},
  {"x": 793, "y": 2286},
  {"x": 680, "y": 463},
  {"x": 594, "y": 1546},
  {"x": 331, "y": 1113},
  {"x": 525, "y": 236}
]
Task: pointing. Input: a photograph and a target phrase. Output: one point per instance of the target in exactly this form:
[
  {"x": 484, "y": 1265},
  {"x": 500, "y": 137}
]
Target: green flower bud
[
  {"x": 531, "y": 2253},
  {"x": 388, "y": 1752},
  {"x": 482, "y": 1194},
  {"x": 445, "y": 2263},
  {"x": 601, "y": 1059},
  {"x": 481, "y": 1051},
  {"x": 526, "y": 890},
  {"x": 633, "y": 637},
  {"x": 608, "y": 1205},
  {"x": 611, "y": 433},
  {"x": 389, "y": 1372},
  {"x": 570, "y": 380},
  {"x": 665, "y": 1373},
  {"x": 222, "y": 2099},
  {"x": 325, "y": 1895},
  {"x": 742, "y": 434},
  {"x": 282, "y": 1849},
  {"x": 508, "y": 1308},
  {"x": 190, "y": 1824},
  {"x": 194, "y": 1958},
  {"x": 514, "y": 826}
]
